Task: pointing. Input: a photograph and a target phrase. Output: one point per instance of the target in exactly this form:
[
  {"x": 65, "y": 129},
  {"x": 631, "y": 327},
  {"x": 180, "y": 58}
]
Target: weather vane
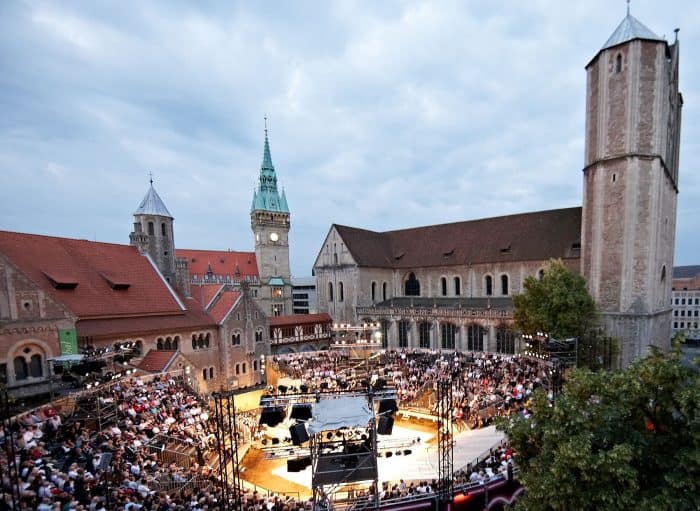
[{"x": 150, "y": 177}]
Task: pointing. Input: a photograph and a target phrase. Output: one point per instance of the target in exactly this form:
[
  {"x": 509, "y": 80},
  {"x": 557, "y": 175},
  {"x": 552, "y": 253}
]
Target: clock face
[{"x": 274, "y": 236}]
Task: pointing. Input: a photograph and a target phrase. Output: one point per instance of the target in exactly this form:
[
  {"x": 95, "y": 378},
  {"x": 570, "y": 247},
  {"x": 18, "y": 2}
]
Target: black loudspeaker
[
  {"x": 272, "y": 416},
  {"x": 303, "y": 388},
  {"x": 282, "y": 389},
  {"x": 298, "y": 433},
  {"x": 387, "y": 405},
  {"x": 304, "y": 462},
  {"x": 301, "y": 411},
  {"x": 386, "y": 425},
  {"x": 293, "y": 466}
]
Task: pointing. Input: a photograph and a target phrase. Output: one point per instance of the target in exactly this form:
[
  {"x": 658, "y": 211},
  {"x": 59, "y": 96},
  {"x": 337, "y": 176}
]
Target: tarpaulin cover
[{"x": 342, "y": 412}]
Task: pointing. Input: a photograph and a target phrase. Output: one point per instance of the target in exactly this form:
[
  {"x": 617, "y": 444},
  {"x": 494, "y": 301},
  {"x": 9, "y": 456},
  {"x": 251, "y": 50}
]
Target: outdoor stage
[{"x": 420, "y": 465}]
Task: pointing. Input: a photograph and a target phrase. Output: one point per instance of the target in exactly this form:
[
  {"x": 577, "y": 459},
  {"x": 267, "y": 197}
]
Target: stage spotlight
[
  {"x": 389, "y": 454},
  {"x": 406, "y": 452}
]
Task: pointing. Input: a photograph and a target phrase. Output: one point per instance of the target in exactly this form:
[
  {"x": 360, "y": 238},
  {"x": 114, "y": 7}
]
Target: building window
[
  {"x": 341, "y": 292},
  {"x": 255, "y": 365},
  {"x": 682, "y": 301},
  {"x": 330, "y": 291},
  {"x": 194, "y": 341},
  {"x": 504, "y": 285},
  {"x": 488, "y": 285},
  {"x": 243, "y": 368},
  {"x": 424, "y": 335},
  {"x": 259, "y": 336},
  {"x": 683, "y": 313},
  {"x": 211, "y": 373},
  {"x": 540, "y": 274},
  {"x": 404, "y": 326},
  {"x": 505, "y": 341},
  {"x": 162, "y": 229},
  {"x": 618, "y": 63},
  {"x": 168, "y": 344},
  {"x": 475, "y": 338},
  {"x": 206, "y": 340},
  {"x": 276, "y": 292},
  {"x": 204, "y": 373},
  {"x": 159, "y": 343},
  {"x": 238, "y": 369},
  {"x": 374, "y": 291},
  {"x": 448, "y": 331},
  {"x": 443, "y": 286},
  {"x": 458, "y": 286},
  {"x": 151, "y": 228},
  {"x": 695, "y": 313},
  {"x": 21, "y": 369},
  {"x": 384, "y": 291},
  {"x": 236, "y": 339},
  {"x": 675, "y": 324},
  {"x": 335, "y": 259},
  {"x": 675, "y": 312},
  {"x": 412, "y": 286}
]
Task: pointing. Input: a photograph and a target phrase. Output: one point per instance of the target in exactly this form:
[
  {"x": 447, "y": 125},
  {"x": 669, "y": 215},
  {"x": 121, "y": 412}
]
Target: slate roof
[
  {"x": 523, "y": 237},
  {"x": 300, "y": 319},
  {"x": 152, "y": 205},
  {"x": 630, "y": 28},
  {"x": 98, "y": 279},
  {"x": 157, "y": 361},
  {"x": 685, "y": 272},
  {"x": 222, "y": 262}
]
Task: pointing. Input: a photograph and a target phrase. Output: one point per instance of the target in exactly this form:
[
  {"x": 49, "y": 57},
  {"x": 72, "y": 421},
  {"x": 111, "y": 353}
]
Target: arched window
[
  {"x": 176, "y": 342},
  {"x": 488, "y": 285},
  {"x": 330, "y": 291},
  {"x": 159, "y": 343},
  {"x": 504, "y": 285},
  {"x": 384, "y": 291},
  {"x": 335, "y": 259},
  {"x": 255, "y": 365},
  {"x": 163, "y": 231},
  {"x": 206, "y": 340},
  {"x": 618, "y": 63},
  {"x": 200, "y": 341},
  {"x": 424, "y": 334},
  {"x": 458, "y": 286},
  {"x": 21, "y": 369},
  {"x": 151, "y": 228},
  {"x": 443, "y": 286},
  {"x": 36, "y": 366},
  {"x": 168, "y": 344},
  {"x": 374, "y": 291},
  {"x": 194, "y": 341},
  {"x": 243, "y": 368},
  {"x": 204, "y": 373},
  {"x": 505, "y": 340},
  {"x": 238, "y": 369},
  {"x": 412, "y": 286},
  {"x": 211, "y": 373},
  {"x": 447, "y": 333},
  {"x": 341, "y": 292},
  {"x": 236, "y": 339},
  {"x": 663, "y": 274}
]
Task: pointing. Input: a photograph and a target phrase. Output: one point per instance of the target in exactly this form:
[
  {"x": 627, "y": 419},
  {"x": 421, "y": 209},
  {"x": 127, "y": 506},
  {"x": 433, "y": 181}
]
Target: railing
[{"x": 435, "y": 312}]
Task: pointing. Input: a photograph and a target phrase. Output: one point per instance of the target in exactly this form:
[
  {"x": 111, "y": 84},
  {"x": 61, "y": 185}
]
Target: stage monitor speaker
[
  {"x": 303, "y": 388},
  {"x": 387, "y": 405},
  {"x": 298, "y": 433},
  {"x": 386, "y": 425},
  {"x": 282, "y": 389},
  {"x": 294, "y": 466},
  {"x": 301, "y": 411}
]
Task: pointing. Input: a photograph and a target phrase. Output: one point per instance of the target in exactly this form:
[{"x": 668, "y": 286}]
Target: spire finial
[
  {"x": 265, "y": 117},
  {"x": 628, "y": 7},
  {"x": 150, "y": 177}
]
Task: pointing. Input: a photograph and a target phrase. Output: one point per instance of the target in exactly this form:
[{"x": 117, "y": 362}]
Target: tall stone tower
[
  {"x": 153, "y": 233},
  {"x": 633, "y": 116},
  {"x": 269, "y": 220}
]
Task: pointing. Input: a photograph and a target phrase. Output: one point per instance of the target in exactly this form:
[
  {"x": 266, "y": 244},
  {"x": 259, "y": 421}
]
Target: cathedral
[{"x": 450, "y": 286}]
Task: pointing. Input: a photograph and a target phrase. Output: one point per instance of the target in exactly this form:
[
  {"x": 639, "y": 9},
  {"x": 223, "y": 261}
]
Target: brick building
[
  {"x": 685, "y": 297},
  {"x": 450, "y": 285}
]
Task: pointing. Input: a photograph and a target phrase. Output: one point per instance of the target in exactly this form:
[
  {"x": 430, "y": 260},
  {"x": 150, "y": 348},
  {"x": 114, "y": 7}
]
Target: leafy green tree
[
  {"x": 613, "y": 440},
  {"x": 558, "y": 304}
]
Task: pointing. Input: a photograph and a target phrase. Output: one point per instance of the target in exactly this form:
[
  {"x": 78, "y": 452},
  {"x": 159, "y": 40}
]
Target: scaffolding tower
[
  {"x": 445, "y": 442},
  {"x": 227, "y": 440}
]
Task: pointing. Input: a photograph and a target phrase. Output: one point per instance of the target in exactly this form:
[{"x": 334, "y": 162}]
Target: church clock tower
[
  {"x": 269, "y": 220},
  {"x": 630, "y": 184}
]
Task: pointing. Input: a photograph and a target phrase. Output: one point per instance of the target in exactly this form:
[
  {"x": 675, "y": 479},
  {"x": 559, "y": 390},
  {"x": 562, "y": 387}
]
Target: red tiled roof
[
  {"x": 223, "y": 262},
  {"x": 86, "y": 263},
  {"x": 525, "y": 237},
  {"x": 157, "y": 361},
  {"x": 192, "y": 318},
  {"x": 204, "y": 293},
  {"x": 224, "y": 304},
  {"x": 300, "y": 319}
]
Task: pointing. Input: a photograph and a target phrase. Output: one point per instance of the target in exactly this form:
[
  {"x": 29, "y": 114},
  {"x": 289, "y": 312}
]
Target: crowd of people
[{"x": 51, "y": 462}]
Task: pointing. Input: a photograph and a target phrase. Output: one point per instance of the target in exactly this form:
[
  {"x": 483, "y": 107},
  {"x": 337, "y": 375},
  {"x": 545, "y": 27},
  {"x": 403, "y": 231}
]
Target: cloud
[{"x": 383, "y": 115}]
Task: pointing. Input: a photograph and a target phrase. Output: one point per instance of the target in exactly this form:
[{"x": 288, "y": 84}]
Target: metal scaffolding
[
  {"x": 445, "y": 441},
  {"x": 8, "y": 446},
  {"x": 227, "y": 440}
]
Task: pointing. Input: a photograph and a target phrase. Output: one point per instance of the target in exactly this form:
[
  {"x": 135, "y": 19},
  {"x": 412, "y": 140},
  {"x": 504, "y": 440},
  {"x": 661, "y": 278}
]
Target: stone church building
[{"x": 451, "y": 286}]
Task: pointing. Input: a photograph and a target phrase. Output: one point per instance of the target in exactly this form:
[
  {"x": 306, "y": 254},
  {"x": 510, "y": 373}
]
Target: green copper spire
[{"x": 266, "y": 197}]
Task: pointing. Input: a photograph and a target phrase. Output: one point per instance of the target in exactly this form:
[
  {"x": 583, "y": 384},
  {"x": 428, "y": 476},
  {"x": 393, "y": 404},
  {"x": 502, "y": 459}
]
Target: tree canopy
[
  {"x": 558, "y": 303},
  {"x": 613, "y": 440}
]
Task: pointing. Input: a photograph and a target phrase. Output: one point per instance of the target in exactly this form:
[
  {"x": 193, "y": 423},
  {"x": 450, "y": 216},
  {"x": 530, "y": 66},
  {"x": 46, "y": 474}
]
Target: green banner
[{"x": 68, "y": 340}]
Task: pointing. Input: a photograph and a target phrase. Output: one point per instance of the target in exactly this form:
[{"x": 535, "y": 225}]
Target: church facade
[{"x": 450, "y": 286}]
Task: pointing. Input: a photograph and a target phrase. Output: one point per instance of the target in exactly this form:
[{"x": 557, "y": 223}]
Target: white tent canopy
[{"x": 341, "y": 412}]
